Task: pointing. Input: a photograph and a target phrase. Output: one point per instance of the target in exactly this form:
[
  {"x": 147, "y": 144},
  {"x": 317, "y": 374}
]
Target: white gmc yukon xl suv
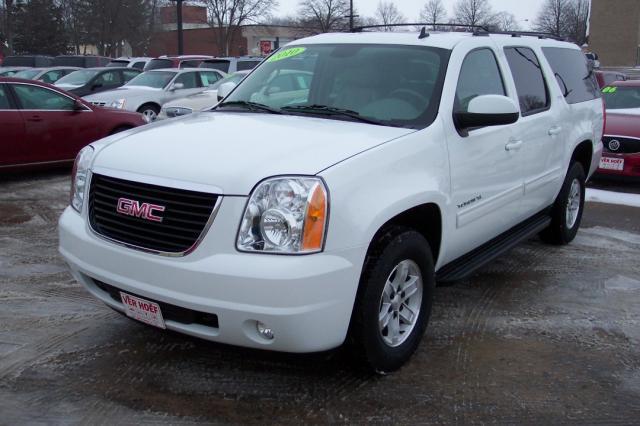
[{"x": 322, "y": 199}]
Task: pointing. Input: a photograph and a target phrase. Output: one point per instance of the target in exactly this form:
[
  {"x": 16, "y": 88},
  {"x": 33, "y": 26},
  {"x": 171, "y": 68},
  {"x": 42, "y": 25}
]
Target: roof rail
[
  {"x": 540, "y": 35},
  {"x": 422, "y": 24}
]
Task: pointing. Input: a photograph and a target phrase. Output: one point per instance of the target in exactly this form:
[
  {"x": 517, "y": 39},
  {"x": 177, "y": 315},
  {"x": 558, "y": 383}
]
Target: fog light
[{"x": 264, "y": 331}]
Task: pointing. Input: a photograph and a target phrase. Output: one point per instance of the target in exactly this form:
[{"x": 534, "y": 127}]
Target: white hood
[{"x": 234, "y": 151}]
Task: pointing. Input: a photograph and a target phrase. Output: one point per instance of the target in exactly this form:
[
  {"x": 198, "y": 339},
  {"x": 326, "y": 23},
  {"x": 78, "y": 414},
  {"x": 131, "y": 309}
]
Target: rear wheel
[
  {"x": 149, "y": 111},
  {"x": 394, "y": 300},
  {"x": 566, "y": 214}
]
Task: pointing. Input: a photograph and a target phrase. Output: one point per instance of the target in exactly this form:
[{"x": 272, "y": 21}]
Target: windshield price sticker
[{"x": 286, "y": 54}]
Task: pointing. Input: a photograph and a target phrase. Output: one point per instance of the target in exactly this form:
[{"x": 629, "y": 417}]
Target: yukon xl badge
[{"x": 142, "y": 210}]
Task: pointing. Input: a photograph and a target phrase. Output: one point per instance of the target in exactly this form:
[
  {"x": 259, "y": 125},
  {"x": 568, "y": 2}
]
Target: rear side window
[
  {"x": 576, "y": 82},
  {"x": 219, "y": 64},
  {"x": 129, "y": 74},
  {"x": 246, "y": 65},
  {"x": 530, "y": 84},
  {"x": 479, "y": 75},
  {"x": 156, "y": 64},
  {"x": 190, "y": 64},
  {"x": 139, "y": 65},
  {"x": 4, "y": 98}
]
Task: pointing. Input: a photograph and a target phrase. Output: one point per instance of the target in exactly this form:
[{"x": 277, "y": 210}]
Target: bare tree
[
  {"x": 227, "y": 16},
  {"x": 388, "y": 14},
  {"x": 578, "y": 21},
  {"x": 324, "y": 15},
  {"x": 473, "y": 12},
  {"x": 505, "y": 21},
  {"x": 433, "y": 12},
  {"x": 553, "y": 18}
]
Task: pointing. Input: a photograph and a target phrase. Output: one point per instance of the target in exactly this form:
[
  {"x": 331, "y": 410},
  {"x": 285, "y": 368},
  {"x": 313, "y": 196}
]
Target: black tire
[
  {"x": 560, "y": 232},
  {"x": 144, "y": 109},
  {"x": 365, "y": 337}
]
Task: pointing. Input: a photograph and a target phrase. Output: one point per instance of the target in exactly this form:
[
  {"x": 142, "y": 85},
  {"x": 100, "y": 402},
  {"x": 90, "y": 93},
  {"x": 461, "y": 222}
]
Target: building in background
[
  {"x": 200, "y": 38},
  {"x": 614, "y": 32}
]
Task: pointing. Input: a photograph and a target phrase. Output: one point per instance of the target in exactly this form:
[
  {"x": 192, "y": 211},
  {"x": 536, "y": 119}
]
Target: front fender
[{"x": 368, "y": 190}]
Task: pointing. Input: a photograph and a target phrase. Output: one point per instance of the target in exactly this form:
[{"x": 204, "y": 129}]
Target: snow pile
[{"x": 610, "y": 197}]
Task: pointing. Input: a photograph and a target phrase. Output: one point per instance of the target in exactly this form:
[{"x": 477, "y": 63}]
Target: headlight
[
  {"x": 79, "y": 177},
  {"x": 285, "y": 215},
  {"x": 118, "y": 104}
]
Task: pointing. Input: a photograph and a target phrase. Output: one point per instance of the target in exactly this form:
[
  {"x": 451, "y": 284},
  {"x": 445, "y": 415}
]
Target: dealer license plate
[
  {"x": 609, "y": 163},
  {"x": 142, "y": 310}
]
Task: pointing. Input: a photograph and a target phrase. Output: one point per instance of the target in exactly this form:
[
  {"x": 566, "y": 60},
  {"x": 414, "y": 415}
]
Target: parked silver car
[
  {"x": 199, "y": 101},
  {"x": 47, "y": 75},
  {"x": 147, "y": 92}
]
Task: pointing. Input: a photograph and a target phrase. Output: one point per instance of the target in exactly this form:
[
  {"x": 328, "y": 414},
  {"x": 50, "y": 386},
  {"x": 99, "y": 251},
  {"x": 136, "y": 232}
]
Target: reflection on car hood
[
  {"x": 196, "y": 102},
  {"x": 235, "y": 150},
  {"x": 622, "y": 124}
]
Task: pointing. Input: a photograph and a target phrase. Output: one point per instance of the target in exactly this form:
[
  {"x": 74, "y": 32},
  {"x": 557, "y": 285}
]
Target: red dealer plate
[
  {"x": 142, "y": 310},
  {"x": 608, "y": 163}
]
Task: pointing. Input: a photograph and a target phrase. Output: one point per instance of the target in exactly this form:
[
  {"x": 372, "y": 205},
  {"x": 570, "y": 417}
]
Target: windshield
[
  {"x": 621, "y": 97},
  {"x": 156, "y": 64},
  {"x": 77, "y": 78},
  {"x": 155, "y": 79},
  {"x": 27, "y": 74},
  {"x": 393, "y": 85}
]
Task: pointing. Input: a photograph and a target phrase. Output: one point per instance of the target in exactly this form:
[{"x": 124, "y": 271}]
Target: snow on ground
[{"x": 610, "y": 197}]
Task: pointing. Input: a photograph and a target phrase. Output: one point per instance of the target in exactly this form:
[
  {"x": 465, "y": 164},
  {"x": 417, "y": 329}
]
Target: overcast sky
[{"x": 522, "y": 9}]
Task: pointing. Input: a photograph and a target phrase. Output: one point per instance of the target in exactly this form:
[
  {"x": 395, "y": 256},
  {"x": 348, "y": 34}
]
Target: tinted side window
[
  {"x": 109, "y": 78},
  {"x": 138, "y": 65},
  {"x": 4, "y": 98},
  {"x": 573, "y": 75},
  {"x": 190, "y": 64},
  {"x": 479, "y": 75},
  {"x": 246, "y": 65},
  {"x": 530, "y": 84},
  {"x": 209, "y": 77},
  {"x": 129, "y": 74},
  {"x": 39, "y": 98}
]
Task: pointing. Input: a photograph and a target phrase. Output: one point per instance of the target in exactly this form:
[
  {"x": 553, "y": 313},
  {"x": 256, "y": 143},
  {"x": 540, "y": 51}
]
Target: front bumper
[{"x": 306, "y": 300}]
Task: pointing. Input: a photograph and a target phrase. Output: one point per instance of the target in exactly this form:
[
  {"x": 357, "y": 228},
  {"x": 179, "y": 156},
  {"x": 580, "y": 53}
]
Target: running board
[{"x": 465, "y": 265}]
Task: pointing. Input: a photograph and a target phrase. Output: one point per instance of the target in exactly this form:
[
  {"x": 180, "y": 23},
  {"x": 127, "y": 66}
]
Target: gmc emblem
[{"x": 143, "y": 210}]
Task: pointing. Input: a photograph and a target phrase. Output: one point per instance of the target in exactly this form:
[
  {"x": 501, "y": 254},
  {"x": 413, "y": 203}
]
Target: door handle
[
  {"x": 513, "y": 145},
  {"x": 555, "y": 130},
  {"x": 34, "y": 118}
]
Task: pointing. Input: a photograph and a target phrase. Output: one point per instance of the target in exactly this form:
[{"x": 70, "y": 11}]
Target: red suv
[
  {"x": 43, "y": 125},
  {"x": 182, "y": 61}
]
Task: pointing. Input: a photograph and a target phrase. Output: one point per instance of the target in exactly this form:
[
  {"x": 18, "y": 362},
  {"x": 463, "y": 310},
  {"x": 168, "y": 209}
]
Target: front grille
[
  {"x": 183, "y": 221},
  {"x": 169, "y": 312},
  {"x": 627, "y": 145}
]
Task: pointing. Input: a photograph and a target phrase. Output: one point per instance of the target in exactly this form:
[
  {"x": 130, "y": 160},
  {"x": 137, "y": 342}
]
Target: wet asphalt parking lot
[{"x": 542, "y": 335}]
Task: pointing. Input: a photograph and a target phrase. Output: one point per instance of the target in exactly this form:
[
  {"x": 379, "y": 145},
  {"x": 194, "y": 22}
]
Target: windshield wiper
[
  {"x": 328, "y": 110},
  {"x": 252, "y": 106}
]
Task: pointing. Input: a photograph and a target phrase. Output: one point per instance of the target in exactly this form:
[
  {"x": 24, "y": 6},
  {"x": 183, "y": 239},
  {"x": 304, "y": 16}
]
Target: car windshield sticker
[
  {"x": 609, "y": 89},
  {"x": 286, "y": 54}
]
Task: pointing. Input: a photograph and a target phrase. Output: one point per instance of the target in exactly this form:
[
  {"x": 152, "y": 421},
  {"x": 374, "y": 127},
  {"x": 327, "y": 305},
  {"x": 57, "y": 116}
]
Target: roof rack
[
  {"x": 478, "y": 30},
  {"x": 540, "y": 35},
  {"x": 422, "y": 24}
]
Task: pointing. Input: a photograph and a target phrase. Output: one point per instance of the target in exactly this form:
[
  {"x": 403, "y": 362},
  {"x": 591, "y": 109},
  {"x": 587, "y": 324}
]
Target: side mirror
[
  {"x": 225, "y": 89},
  {"x": 177, "y": 86},
  {"x": 487, "y": 110}
]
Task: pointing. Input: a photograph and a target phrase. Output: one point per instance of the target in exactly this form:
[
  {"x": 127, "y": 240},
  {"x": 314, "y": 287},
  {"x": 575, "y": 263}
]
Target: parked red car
[
  {"x": 43, "y": 125},
  {"x": 605, "y": 78},
  {"x": 621, "y": 154}
]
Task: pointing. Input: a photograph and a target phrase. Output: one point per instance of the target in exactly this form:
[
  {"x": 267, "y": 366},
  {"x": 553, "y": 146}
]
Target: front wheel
[
  {"x": 394, "y": 300},
  {"x": 566, "y": 214}
]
